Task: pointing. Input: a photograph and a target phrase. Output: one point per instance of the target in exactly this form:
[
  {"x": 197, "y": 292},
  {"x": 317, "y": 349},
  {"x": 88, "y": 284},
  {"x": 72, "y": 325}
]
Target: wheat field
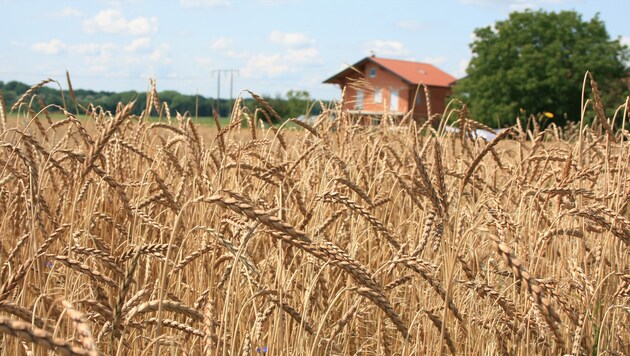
[{"x": 125, "y": 235}]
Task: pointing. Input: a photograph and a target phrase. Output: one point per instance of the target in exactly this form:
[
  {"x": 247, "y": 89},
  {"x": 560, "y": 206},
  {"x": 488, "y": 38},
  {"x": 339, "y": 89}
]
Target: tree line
[{"x": 291, "y": 105}]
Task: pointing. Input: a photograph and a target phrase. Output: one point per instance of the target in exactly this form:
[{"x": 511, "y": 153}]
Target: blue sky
[{"x": 276, "y": 45}]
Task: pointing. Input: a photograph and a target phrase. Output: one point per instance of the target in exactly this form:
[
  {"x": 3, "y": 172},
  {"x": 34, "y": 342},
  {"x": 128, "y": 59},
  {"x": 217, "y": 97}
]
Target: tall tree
[
  {"x": 298, "y": 102},
  {"x": 536, "y": 61}
]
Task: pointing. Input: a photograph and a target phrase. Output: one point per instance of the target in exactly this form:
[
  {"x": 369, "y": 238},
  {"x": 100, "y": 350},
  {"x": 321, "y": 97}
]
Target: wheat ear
[{"x": 27, "y": 333}]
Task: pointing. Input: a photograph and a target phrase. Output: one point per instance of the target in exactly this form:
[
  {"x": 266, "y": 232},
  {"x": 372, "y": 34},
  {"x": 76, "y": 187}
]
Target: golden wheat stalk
[{"x": 26, "y": 332}]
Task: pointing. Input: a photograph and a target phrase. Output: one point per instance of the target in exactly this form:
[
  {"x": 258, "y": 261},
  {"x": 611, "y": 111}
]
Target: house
[{"x": 376, "y": 86}]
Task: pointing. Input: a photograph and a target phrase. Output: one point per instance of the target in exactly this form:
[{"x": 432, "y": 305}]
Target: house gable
[
  {"x": 378, "y": 85},
  {"x": 411, "y": 72}
]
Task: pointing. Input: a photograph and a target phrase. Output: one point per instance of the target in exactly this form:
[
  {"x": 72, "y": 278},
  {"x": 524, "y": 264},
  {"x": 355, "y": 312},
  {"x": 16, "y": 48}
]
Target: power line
[{"x": 219, "y": 72}]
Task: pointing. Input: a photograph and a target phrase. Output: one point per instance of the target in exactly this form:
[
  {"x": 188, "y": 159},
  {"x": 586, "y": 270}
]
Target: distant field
[
  {"x": 201, "y": 120},
  {"x": 129, "y": 237}
]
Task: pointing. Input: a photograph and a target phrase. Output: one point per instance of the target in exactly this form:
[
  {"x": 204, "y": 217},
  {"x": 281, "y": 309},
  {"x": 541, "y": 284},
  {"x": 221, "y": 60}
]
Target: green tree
[
  {"x": 536, "y": 61},
  {"x": 297, "y": 102}
]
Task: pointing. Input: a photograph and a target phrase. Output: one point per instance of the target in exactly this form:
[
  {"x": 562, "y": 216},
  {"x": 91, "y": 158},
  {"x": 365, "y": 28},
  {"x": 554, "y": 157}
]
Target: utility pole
[{"x": 219, "y": 72}]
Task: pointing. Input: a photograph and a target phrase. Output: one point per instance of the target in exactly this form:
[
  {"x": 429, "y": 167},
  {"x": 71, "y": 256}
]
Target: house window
[
  {"x": 359, "y": 100},
  {"x": 419, "y": 99},
  {"x": 378, "y": 95},
  {"x": 372, "y": 72}
]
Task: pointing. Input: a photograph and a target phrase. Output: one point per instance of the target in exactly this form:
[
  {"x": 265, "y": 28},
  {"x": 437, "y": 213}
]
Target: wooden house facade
[{"x": 375, "y": 86}]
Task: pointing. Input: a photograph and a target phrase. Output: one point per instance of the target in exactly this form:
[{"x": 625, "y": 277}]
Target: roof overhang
[{"x": 349, "y": 71}]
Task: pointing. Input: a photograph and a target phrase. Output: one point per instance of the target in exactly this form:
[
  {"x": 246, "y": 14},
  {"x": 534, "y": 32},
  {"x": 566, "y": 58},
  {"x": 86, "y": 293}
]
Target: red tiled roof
[
  {"x": 416, "y": 72},
  {"x": 412, "y": 72}
]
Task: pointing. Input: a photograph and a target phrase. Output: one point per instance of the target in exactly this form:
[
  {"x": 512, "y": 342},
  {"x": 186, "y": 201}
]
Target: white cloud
[
  {"x": 272, "y": 65},
  {"x": 142, "y": 25},
  {"x": 435, "y": 60},
  {"x": 412, "y": 25},
  {"x": 86, "y": 48},
  {"x": 291, "y": 39},
  {"x": 110, "y": 21},
  {"x": 203, "y": 61},
  {"x": 237, "y": 54},
  {"x": 56, "y": 46},
  {"x": 221, "y": 43},
  {"x": 204, "y": 3},
  {"x": 67, "y": 12},
  {"x": 263, "y": 65},
  {"x": 53, "y": 46},
  {"x": 625, "y": 40},
  {"x": 138, "y": 55},
  {"x": 462, "y": 66},
  {"x": 299, "y": 51},
  {"x": 343, "y": 66},
  {"x": 138, "y": 44},
  {"x": 302, "y": 56},
  {"x": 113, "y": 21},
  {"x": 388, "y": 48},
  {"x": 160, "y": 54},
  {"x": 101, "y": 59}
]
